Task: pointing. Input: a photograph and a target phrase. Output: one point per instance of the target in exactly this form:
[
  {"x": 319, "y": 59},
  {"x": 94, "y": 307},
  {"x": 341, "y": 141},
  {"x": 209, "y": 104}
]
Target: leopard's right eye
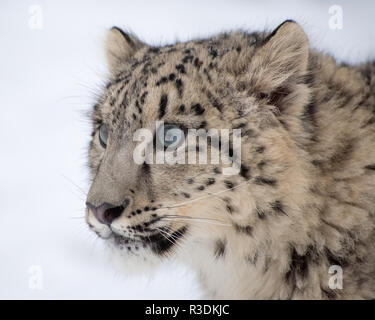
[{"x": 103, "y": 135}]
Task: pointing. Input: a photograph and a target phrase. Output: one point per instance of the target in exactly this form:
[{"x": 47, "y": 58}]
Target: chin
[{"x": 142, "y": 256}]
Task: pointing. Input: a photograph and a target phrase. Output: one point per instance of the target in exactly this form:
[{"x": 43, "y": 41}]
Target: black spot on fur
[
  {"x": 220, "y": 247},
  {"x": 143, "y": 97},
  {"x": 263, "y": 180},
  {"x": 162, "y": 81},
  {"x": 229, "y": 208},
  {"x": 278, "y": 207},
  {"x": 214, "y": 101},
  {"x": 154, "y": 50},
  {"x": 172, "y": 76},
  {"x": 245, "y": 171},
  {"x": 163, "y": 105},
  {"x": 201, "y": 188},
  {"x": 160, "y": 243},
  {"x": 138, "y": 106},
  {"x": 198, "y": 109},
  {"x": 210, "y": 181},
  {"x": 181, "y": 109},
  {"x": 197, "y": 63},
  {"x": 260, "y": 149},
  {"x": 299, "y": 264},
  {"x": 229, "y": 184},
  {"x": 181, "y": 68},
  {"x": 188, "y": 58},
  {"x": 146, "y": 168},
  {"x": 190, "y": 181},
  {"x": 261, "y": 213},
  {"x": 186, "y": 195},
  {"x": 179, "y": 86},
  {"x": 370, "y": 167},
  {"x": 213, "y": 52},
  {"x": 244, "y": 229},
  {"x": 202, "y": 125}
]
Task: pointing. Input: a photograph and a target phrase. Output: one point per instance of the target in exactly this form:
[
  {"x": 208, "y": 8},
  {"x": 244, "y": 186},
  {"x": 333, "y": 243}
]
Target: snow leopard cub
[{"x": 304, "y": 197}]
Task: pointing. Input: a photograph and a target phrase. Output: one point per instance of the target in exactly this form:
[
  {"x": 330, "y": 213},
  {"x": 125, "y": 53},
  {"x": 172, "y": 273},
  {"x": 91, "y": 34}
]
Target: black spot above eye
[{"x": 197, "y": 109}]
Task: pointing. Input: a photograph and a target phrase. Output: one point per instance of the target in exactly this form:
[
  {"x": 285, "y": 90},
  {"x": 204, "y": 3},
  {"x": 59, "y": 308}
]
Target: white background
[{"x": 49, "y": 77}]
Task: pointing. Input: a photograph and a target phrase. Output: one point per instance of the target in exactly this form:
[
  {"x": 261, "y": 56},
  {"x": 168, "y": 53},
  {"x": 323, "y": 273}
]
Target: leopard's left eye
[
  {"x": 170, "y": 136},
  {"x": 103, "y": 135}
]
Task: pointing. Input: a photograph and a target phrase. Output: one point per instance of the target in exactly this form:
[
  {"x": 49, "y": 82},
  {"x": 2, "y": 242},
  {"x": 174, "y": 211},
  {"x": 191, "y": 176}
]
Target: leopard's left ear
[
  {"x": 281, "y": 60},
  {"x": 120, "y": 47}
]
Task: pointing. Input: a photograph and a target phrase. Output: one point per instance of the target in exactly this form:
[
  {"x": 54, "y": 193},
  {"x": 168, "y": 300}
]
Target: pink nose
[{"x": 107, "y": 212}]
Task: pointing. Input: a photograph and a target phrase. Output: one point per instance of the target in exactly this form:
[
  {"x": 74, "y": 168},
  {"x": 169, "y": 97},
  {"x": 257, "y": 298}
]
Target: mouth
[{"x": 160, "y": 241}]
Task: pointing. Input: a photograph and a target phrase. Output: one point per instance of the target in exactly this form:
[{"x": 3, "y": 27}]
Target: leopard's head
[{"x": 233, "y": 81}]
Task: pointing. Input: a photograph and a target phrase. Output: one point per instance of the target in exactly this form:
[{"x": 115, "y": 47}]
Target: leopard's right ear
[{"x": 120, "y": 47}]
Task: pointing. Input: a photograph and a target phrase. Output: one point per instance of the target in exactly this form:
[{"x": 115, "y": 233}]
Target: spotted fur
[{"x": 305, "y": 196}]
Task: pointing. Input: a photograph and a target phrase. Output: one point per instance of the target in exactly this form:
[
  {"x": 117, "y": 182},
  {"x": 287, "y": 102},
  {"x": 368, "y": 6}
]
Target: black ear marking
[
  {"x": 125, "y": 35},
  {"x": 120, "y": 47},
  {"x": 277, "y": 29}
]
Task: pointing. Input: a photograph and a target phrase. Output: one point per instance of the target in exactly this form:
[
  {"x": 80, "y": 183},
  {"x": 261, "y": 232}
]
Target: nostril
[
  {"x": 112, "y": 214},
  {"x": 107, "y": 212}
]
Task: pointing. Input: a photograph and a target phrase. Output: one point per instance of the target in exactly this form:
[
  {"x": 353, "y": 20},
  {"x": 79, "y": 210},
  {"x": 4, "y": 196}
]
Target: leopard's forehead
[{"x": 180, "y": 79}]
